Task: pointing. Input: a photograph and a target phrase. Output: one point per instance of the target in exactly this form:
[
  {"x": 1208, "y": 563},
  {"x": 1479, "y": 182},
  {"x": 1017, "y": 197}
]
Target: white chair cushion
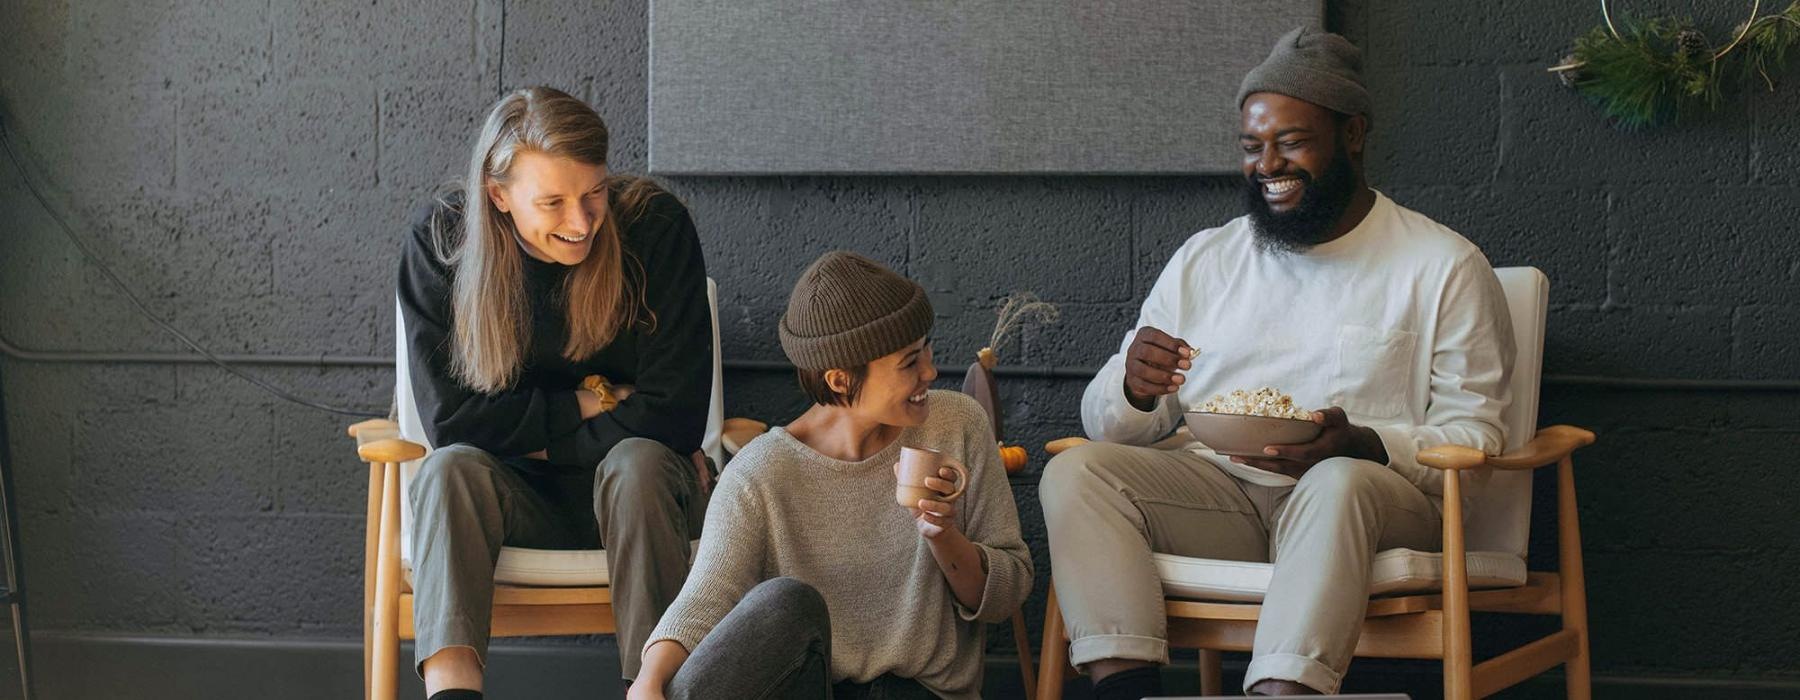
[
  {"x": 1395, "y": 571},
  {"x": 521, "y": 566}
]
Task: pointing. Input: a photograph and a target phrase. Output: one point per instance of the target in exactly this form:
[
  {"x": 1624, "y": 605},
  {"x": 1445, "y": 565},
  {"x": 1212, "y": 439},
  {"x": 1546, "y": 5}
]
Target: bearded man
[{"x": 1391, "y": 324}]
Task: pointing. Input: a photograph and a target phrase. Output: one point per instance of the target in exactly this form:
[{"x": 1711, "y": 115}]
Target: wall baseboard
[{"x": 71, "y": 666}]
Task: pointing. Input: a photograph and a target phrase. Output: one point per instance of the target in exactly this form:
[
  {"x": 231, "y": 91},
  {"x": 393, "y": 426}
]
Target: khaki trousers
[
  {"x": 1108, "y": 507},
  {"x": 642, "y": 504}
]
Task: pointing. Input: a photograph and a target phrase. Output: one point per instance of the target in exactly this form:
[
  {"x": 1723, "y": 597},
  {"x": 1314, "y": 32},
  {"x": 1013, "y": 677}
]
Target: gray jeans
[
  {"x": 776, "y": 643},
  {"x": 642, "y": 504}
]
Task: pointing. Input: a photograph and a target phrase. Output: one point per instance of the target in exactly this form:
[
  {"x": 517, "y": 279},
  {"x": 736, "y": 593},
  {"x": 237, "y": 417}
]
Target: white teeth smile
[
  {"x": 1282, "y": 186},
  {"x": 570, "y": 239},
  {"x": 916, "y": 399}
]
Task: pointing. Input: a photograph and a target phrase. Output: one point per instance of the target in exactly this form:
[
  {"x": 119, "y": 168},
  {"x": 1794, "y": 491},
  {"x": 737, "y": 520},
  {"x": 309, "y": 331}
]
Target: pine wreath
[{"x": 1662, "y": 70}]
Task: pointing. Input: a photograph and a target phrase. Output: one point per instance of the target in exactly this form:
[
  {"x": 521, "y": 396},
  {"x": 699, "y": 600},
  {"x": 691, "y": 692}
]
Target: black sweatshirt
[{"x": 670, "y": 364}]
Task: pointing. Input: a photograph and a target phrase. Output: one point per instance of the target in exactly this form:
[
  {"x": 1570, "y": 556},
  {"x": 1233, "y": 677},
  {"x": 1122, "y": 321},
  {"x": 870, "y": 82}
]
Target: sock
[
  {"x": 1134, "y": 684},
  {"x": 456, "y": 694}
]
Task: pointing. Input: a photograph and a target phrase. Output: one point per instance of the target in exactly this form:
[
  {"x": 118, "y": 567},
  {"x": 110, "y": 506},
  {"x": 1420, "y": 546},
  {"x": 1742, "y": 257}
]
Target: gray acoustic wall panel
[{"x": 906, "y": 86}]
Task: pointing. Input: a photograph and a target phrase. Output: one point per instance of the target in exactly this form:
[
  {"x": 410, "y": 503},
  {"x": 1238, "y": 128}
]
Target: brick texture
[{"x": 248, "y": 167}]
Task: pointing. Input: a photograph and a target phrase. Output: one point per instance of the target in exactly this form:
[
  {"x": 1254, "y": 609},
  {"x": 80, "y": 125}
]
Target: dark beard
[{"x": 1313, "y": 220}]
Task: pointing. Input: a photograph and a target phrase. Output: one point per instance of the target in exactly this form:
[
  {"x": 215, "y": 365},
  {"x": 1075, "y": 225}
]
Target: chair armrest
[
  {"x": 1058, "y": 446},
  {"x": 391, "y": 450},
  {"x": 1180, "y": 438},
  {"x": 1549, "y": 446},
  {"x": 372, "y": 425},
  {"x": 735, "y": 433},
  {"x": 372, "y": 431}
]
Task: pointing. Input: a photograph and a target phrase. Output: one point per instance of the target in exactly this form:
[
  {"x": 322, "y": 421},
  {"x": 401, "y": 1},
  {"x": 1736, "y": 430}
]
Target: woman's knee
[
  {"x": 457, "y": 469},
  {"x": 795, "y": 600},
  {"x": 638, "y": 468}
]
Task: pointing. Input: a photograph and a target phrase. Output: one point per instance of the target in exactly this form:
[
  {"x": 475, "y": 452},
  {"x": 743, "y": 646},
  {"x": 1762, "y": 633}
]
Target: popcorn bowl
[{"x": 1246, "y": 436}]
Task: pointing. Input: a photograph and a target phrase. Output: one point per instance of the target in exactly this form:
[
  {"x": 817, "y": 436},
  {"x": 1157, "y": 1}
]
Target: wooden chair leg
[
  {"x": 1574, "y": 587},
  {"x": 372, "y": 542},
  {"x": 1022, "y": 639},
  {"x": 1212, "y": 672},
  {"x": 385, "y": 681},
  {"x": 1458, "y": 654},
  {"x": 1054, "y": 661}
]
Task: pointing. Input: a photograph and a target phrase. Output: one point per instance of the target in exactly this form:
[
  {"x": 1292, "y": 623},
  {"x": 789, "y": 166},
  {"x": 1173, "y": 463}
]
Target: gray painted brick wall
[{"x": 247, "y": 167}]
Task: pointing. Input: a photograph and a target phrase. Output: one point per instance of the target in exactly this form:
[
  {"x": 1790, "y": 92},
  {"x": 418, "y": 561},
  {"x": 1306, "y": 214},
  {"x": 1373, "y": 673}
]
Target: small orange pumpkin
[{"x": 1014, "y": 458}]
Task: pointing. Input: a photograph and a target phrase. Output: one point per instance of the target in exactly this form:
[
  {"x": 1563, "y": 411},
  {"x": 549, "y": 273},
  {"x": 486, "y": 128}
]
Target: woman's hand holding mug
[{"x": 928, "y": 483}]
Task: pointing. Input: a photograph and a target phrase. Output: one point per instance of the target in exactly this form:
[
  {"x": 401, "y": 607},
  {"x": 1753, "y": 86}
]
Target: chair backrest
[
  {"x": 1499, "y": 513},
  {"x": 413, "y": 428}
]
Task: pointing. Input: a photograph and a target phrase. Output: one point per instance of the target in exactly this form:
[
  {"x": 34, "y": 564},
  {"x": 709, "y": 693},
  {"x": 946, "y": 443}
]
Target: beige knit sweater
[{"x": 782, "y": 509}]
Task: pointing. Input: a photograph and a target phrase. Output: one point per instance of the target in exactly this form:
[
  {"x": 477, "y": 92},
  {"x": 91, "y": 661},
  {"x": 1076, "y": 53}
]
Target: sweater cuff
[
  {"x": 1124, "y": 422},
  {"x": 1121, "y": 401},
  {"x": 687, "y": 638},
  {"x": 562, "y": 422},
  {"x": 1403, "y": 455},
  {"x": 994, "y": 595}
]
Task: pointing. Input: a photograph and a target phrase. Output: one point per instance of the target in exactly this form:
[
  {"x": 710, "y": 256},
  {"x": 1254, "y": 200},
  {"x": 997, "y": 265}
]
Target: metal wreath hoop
[
  {"x": 1606, "y": 13},
  {"x": 1755, "y": 7}
]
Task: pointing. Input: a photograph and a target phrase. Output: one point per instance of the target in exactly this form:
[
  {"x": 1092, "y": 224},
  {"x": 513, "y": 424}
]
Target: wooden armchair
[
  {"x": 538, "y": 592},
  {"x": 1421, "y": 600}
]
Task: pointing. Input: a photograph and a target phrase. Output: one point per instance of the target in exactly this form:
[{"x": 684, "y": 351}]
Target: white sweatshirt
[{"x": 1401, "y": 322}]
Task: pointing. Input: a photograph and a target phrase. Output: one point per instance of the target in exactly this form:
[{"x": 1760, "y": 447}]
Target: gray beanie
[
  {"x": 847, "y": 310},
  {"x": 1318, "y": 67}
]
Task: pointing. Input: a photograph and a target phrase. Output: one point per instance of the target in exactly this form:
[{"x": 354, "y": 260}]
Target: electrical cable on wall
[{"x": 6, "y": 140}]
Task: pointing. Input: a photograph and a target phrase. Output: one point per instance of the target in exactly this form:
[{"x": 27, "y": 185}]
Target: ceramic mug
[{"x": 918, "y": 463}]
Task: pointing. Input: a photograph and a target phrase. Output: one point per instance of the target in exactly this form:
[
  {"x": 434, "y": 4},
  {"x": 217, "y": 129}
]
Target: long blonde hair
[{"x": 492, "y": 316}]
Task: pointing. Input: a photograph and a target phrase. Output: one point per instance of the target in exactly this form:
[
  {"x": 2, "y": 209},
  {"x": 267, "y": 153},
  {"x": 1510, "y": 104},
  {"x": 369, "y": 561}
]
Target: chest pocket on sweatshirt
[{"x": 1374, "y": 373}]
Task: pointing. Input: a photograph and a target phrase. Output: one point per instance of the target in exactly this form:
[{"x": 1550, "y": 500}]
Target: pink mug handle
[{"x": 962, "y": 479}]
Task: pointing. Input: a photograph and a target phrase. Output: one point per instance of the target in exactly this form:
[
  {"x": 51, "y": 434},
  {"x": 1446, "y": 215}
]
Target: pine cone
[
  {"x": 1571, "y": 76},
  {"x": 1691, "y": 42}
]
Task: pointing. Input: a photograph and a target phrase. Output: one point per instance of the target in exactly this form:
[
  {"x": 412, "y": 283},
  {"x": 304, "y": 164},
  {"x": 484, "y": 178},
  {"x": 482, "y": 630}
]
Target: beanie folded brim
[
  {"x": 863, "y": 344},
  {"x": 1328, "y": 90},
  {"x": 1312, "y": 66}
]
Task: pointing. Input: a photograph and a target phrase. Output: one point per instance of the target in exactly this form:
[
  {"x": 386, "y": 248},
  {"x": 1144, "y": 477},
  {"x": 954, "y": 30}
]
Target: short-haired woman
[{"x": 812, "y": 580}]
